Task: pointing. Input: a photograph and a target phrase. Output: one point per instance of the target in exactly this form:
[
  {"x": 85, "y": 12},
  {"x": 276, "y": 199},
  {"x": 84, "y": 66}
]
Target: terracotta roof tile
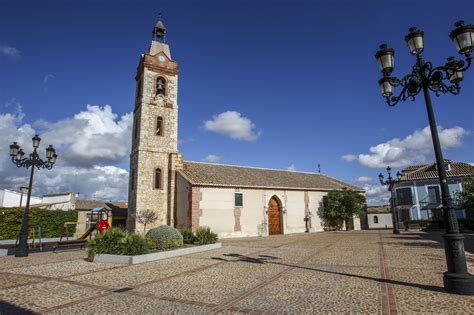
[
  {"x": 429, "y": 171},
  {"x": 205, "y": 174},
  {"x": 89, "y": 204},
  {"x": 378, "y": 209}
]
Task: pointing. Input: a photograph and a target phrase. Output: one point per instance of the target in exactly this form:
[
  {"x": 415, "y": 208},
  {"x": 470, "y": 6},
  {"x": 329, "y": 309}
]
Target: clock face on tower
[{"x": 161, "y": 58}]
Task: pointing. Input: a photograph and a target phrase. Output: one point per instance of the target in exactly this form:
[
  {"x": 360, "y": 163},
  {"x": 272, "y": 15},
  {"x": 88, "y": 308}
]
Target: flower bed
[{"x": 138, "y": 259}]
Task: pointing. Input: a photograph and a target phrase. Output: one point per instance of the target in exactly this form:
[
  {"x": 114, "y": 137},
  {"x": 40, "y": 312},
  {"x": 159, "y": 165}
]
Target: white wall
[
  {"x": 217, "y": 207},
  {"x": 59, "y": 198},
  {"x": 218, "y": 210},
  {"x": 385, "y": 221},
  {"x": 9, "y": 198}
]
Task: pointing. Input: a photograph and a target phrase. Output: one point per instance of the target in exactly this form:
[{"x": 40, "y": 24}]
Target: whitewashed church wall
[
  {"x": 357, "y": 226},
  {"x": 252, "y": 214},
  {"x": 217, "y": 206},
  {"x": 218, "y": 211},
  {"x": 315, "y": 207},
  {"x": 294, "y": 214}
]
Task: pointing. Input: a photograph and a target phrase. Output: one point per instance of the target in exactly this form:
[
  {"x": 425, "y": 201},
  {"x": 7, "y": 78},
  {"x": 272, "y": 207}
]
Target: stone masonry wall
[{"x": 151, "y": 151}]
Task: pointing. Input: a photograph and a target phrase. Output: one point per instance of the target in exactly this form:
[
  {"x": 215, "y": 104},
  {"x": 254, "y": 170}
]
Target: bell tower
[{"x": 154, "y": 156}]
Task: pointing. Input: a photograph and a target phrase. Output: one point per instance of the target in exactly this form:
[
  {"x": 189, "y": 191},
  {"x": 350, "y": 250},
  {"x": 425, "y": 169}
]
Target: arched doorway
[{"x": 275, "y": 225}]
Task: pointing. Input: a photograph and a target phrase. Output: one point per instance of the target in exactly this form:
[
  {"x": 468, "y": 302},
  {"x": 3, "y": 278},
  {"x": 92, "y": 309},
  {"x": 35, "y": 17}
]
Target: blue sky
[{"x": 303, "y": 73}]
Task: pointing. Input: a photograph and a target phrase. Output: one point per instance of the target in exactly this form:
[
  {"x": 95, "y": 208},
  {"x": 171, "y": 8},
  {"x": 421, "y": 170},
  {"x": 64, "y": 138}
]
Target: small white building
[
  {"x": 10, "y": 199},
  {"x": 379, "y": 217},
  {"x": 61, "y": 201}
]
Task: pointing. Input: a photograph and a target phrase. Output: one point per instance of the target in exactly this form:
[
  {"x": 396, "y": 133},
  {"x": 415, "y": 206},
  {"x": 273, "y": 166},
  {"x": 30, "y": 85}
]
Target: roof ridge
[{"x": 254, "y": 167}]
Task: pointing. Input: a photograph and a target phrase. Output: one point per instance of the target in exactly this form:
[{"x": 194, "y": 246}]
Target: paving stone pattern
[{"x": 331, "y": 272}]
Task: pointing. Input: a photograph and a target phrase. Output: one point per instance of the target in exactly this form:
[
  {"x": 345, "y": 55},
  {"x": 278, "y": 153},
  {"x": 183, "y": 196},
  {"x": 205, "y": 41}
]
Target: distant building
[
  {"x": 379, "y": 217},
  {"x": 11, "y": 199},
  {"x": 417, "y": 194},
  {"x": 61, "y": 201}
]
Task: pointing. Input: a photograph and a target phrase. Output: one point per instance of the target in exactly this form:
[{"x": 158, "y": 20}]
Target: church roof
[
  {"x": 430, "y": 171},
  {"x": 218, "y": 175}
]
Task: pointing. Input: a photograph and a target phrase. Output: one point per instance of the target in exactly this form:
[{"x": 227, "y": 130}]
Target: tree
[
  {"x": 466, "y": 197},
  {"x": 146, "y": 217},
  {"x": 341, "y": 206}
]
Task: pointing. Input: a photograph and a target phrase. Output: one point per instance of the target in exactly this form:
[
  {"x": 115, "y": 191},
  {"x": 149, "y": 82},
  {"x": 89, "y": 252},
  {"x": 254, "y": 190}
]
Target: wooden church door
[{"x": 274, "y": 217}]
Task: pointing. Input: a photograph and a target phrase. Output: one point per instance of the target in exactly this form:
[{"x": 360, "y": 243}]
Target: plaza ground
[{"x": 331, "y": 272}]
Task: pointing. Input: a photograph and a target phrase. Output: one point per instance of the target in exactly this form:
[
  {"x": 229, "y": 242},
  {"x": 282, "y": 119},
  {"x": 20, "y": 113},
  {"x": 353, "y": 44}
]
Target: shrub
[
  {"x": 188, "y": 235},
  {"x": 50, "y": 221},
  {"x": 204, "y": 236},
  {"x": 165, "y": 237},
  {"x": 118, "y": 242}
]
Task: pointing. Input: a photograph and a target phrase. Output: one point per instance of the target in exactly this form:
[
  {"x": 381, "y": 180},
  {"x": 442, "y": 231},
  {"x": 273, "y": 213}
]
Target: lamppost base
[
  {"x": 396, "y": 231},
  {"x": 20, "y": 253},
  {"x": 458, "y": 283}
]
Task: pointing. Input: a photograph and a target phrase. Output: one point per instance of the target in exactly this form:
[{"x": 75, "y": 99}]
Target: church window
[
  {"x": 159, "y": 126},
  {"x": 157, "y": 178},
  {"x": 132, "y": 180},
  {"x": 376, "y": 219},
  {"x": 160, "y": 86},
  {"x": 239, "y": 200}
]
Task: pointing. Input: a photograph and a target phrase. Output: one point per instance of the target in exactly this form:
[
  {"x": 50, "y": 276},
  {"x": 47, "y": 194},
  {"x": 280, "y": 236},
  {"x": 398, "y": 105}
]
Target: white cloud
[
  {"x": 413, "y": 149},
  {"x": 363, "y": 179},
  {"x": 11, "y": 53},
  {"x": 92, "y": 137},
  {"x": 349, "y": 157},
  {"x": 90, "y": 146},
  {"x": 376, "y": 194},
  {"x": 48, "y": 77},
  {"x": 232, "y": 125},
  {"x": 292, "y": 167},
  {"x": 212, "y": 158}
]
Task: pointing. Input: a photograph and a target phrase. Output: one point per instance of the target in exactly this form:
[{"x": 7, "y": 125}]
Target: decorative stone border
[{"x": 132, "y": 260}]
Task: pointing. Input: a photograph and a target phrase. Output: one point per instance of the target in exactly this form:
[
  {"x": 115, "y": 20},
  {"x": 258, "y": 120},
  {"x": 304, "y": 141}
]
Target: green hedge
[{"x": 50, "y": 221}]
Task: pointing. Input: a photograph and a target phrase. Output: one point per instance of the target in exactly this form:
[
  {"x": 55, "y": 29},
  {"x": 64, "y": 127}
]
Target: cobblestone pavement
[{"x": 331, "y": 272}]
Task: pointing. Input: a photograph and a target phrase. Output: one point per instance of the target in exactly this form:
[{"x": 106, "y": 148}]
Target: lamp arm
[{"x": 410, "y": 88}]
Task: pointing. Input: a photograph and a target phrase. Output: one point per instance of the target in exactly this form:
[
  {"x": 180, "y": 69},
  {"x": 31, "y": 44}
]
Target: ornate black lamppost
[
  {"x": 32, "y": 161},
  {"x": 424, "y": 77},
  {"x": 390, "y": 182}
]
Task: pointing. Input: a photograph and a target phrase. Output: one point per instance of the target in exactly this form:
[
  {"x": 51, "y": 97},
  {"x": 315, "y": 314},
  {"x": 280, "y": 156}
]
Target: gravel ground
[{"x": 331, "y": 272}]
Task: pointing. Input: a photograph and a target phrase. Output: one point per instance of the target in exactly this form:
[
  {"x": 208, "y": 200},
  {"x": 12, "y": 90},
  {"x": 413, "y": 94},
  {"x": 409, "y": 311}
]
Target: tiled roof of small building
[
  {"x": 429, "y": 171},
  {"x": 218, "y": 175},
  {"x": 90, "y": 204},
  {"x": 378, "y": 209}
]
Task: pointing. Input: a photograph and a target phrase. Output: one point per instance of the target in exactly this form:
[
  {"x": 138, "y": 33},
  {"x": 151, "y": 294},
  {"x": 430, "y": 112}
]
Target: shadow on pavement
[
  {"x": 7, "y": 308},
  {"x": 262, "y": 259},
  {"x": 438, "y": 237}
]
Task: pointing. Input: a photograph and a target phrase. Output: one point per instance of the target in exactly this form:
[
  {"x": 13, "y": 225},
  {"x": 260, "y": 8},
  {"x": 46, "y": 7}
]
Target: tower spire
[{"x": 159, "y": 31}]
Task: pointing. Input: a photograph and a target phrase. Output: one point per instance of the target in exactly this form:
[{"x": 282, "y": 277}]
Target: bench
[{"x": 63, "y": 245}]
